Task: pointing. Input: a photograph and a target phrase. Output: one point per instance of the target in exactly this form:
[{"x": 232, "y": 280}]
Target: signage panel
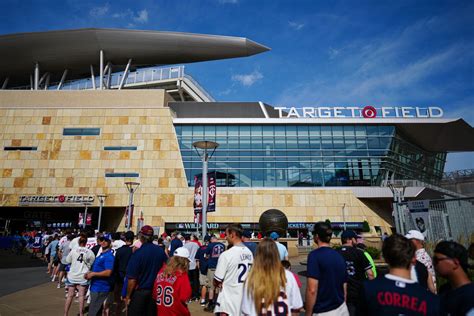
[
  {"x": 55, "y": 199},
  {"x": 360, "y": 112}
]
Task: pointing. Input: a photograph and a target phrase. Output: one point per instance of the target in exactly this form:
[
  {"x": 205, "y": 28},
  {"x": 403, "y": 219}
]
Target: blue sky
[{"x": 414, "y": 53}]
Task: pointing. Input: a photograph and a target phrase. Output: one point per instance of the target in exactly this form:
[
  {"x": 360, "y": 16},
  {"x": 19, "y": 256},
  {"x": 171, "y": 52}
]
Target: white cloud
[
  {"x": 249, "y": 79},
  {"x": 295, "y": 25},
  {"x": 141, "y": 16},
  {"x": 228, "y": 1},
  {"x": 333, "y": 53},
  {"x": 99, "y": 11},
  {"x": 374, "y": 71}
]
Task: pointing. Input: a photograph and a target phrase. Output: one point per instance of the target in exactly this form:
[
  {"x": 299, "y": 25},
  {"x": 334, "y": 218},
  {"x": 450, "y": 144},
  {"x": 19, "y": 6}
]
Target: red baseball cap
[{"x": 147, "y": 230}]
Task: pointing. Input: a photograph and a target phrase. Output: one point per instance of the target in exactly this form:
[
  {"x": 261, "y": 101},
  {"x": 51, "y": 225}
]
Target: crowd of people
[{"x": 114, "y": 274}]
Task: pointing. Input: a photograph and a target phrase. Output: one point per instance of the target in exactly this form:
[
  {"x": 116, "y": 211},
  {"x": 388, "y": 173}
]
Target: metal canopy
[{"x": 76, "y": 50}]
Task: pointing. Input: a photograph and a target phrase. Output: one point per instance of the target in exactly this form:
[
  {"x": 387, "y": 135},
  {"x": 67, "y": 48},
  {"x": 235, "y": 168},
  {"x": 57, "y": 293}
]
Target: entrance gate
[{"x": 451, "y": 219}]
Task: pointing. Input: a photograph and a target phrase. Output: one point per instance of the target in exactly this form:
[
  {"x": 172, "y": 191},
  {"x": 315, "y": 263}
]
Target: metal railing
[{"x": 142, "y": 75}]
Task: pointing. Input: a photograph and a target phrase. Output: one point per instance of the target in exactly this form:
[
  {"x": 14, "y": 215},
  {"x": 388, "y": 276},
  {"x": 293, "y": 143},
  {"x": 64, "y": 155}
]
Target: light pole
[
  {"x": 85, "y": 216},
  {"x": 205, "y": 145},
  {"x": 101, "y": 198},
  {"x": 132, "y": 187},
  {"x": 398, "y": 197}
]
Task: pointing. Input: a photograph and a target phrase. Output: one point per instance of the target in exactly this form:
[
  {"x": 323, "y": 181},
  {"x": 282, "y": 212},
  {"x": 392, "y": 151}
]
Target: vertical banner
[
  {"x": 80, "y": 221},
  {"x": 126, "y": 216},
  {"x": 197, "y": 218},
  {"x": 89, "y": 219},
  {"x": 419, "y": 211},
  {"x": 197, "y": 195},
  {"x": 211, "y": 200}
]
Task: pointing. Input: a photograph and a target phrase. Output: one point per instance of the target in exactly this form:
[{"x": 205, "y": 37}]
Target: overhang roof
[
  {"x": 77, "y": 49},
  {"x": 431, "y": 134}
]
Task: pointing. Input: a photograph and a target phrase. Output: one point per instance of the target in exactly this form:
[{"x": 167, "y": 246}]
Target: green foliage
[
  {"x": 337, "y": 247},
  {"x": 373, "y": 252},
  {"x": 365, "y": 227}
]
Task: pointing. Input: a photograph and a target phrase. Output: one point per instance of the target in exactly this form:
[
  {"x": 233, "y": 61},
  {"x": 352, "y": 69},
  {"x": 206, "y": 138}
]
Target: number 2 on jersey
[
  {"x": 243, "y": 273},
  {"x": 164, "y": 295}
]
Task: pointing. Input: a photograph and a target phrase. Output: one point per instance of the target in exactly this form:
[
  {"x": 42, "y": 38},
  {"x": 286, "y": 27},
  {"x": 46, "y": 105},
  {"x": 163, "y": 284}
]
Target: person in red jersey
[{"x": 172, "y": 287}]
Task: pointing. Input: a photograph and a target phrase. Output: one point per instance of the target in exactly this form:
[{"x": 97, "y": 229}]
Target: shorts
[
  {"x": 62, "y": 267},
  {"x": 68, "y": 283},
  {"x": 203, "y": 280},
  {"x": 340, "y": 311},
  {"x": 97, "y": 299},
  {"x": 210, "y": 278}
]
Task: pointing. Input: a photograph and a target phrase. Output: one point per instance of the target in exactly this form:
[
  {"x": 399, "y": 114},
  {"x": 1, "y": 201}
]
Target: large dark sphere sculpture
[{"x": 273, "y": 220}]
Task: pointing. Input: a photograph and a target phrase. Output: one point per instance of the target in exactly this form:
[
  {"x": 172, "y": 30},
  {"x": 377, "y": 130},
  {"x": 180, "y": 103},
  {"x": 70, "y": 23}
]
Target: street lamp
[
  {"x": 205, "y": 145},
  {"x": 101, "y": 198},
  {"x": 132, "y": 187}
]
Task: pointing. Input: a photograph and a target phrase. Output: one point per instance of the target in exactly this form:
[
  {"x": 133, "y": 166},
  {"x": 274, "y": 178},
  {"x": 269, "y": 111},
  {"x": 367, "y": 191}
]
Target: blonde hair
[
  {"x": 267, "y": 276},
  {"x": 176, "y": 264}
]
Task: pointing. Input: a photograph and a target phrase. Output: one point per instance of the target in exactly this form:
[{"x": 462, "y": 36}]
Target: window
[
  {"x": 22, "y": 148},
  {"x": 120, "y": 147},
  {"x": 81, "y": 131},
  {"x": 122, "y": 175}
]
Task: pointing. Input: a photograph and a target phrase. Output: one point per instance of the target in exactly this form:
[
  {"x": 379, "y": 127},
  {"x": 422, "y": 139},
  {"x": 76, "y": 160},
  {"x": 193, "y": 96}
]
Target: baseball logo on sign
[{"x": 369, "y": 112}]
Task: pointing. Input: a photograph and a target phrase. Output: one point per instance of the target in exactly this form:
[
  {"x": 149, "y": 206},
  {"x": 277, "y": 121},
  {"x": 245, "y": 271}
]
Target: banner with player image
[
  {"x": 211, "y": 193},
  {"x": 419, "y": 211},
  {"x": 197, "y": 195}
]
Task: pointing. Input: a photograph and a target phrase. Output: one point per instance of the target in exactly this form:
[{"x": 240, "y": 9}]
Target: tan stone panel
[
  {"x": 28, "y": 173},
  {"x": 165, "y": 200},
  {"x": 7, "y": 173},
  {"x": 163, "y": 183},
  {"x": 69, "y": 182},
  {"x": 19, "y": 183},
  {"x": 16, "y": 142}
]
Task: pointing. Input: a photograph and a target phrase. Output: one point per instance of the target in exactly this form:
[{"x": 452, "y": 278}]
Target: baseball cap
[
  {"x": 349, "y": 234},
  {"x": 274, "y": 235},
  {"x": 247, "y": 234},
  {"x": 182, "y": 252},
  {"x": 415, "y": 234},
  {"x": 146, "y": 230},
  {"x": 453, "y": 250},
  {"x": 179, "y": 236},
  {"x": 104, "y": 238}
]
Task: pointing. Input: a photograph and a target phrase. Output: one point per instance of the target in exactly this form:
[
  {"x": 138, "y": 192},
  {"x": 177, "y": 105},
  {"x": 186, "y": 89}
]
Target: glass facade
[{"x": 307, "y": 155}]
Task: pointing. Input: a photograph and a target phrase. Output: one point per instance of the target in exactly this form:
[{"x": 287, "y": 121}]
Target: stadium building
[{"x": 84, "y": 111}]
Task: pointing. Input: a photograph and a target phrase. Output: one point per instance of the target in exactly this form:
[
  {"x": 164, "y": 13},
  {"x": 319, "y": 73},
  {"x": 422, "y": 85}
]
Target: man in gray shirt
[{"x": 193, "y": 272}]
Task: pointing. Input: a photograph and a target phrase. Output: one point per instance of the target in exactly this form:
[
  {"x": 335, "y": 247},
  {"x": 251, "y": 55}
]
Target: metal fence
[{"x": 451, "y": 219}]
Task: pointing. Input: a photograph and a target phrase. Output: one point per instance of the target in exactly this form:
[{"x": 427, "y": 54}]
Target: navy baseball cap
[
  {"x": 247, "y": 234},
  {"x": 349, "y": 234}
]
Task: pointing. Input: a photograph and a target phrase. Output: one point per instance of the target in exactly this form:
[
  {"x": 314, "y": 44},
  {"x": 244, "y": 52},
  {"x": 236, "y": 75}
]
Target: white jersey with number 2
[
  {"x": 232, "y": 270},
  {"x": 289, "y": 300}
]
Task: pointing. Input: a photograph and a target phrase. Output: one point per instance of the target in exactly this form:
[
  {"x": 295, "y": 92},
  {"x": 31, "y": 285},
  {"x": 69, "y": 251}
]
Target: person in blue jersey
[
  {"x": 203, "y": 282},
  {"x": 451, "y": 262},
  {"x": 101, "y": 279},
  {"x": 174, "y": 244},
  {"x": 142, "y": 269},
  {"x": 212, "y": 254},
  {"x": 327, "y": 276},
  {"x": 396, "y": 293},
  {"x": 281, "y": 248}
]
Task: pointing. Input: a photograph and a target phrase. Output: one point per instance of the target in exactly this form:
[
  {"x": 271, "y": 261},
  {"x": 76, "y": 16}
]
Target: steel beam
[
  {"x": 101, "y": 72},
  {"x": 63, "y": 77},
  {"x": 36, "y": 79},
  {"x": 5, "y": 83},
  {"x": 93, "y": 77},
  {"x": 125, "y": 74}
]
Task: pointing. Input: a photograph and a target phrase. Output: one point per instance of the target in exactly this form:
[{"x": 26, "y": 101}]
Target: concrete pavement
[{"x": 29, "y": 290}]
